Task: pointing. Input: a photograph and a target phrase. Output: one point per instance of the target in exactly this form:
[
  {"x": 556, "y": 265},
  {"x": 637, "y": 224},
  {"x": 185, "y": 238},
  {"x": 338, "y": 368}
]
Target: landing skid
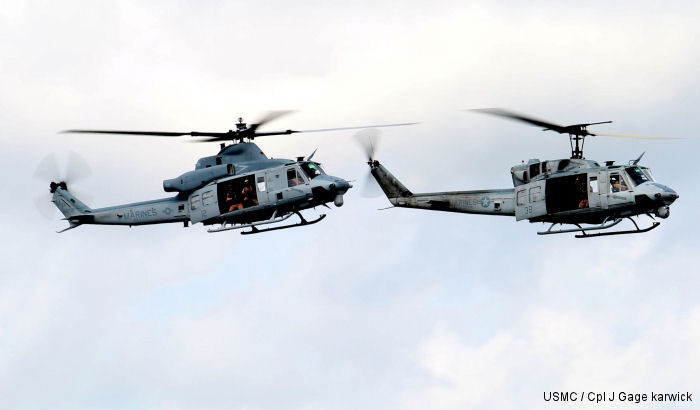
[
  {"x": 636, "y": 230},
  {"x": 303, "y": 222},
  {"x": 583, "y": 232},
  {"x": 274, "y": 219}
]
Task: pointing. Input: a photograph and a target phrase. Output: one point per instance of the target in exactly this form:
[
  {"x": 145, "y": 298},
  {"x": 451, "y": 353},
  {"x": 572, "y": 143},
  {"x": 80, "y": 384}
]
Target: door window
[
  {"x": 521, "y": 197},
  {"x": 261, "y": 184},
  {"x": 593, "y": 185},
  {"x": 535, "y": 194},
  {"x": 194, "y": 202},
  {"x": 207, "y": 198},
  {"x": 293, "y": 177}
]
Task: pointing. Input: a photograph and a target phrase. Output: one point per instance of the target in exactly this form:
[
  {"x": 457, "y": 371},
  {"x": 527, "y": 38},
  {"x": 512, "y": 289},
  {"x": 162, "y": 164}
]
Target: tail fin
[
  {"x": 75, "y": 212},
  {"x": 392, "y": 187}
]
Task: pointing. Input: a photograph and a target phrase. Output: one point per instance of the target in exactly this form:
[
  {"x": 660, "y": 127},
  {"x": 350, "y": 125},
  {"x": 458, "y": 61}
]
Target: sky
[{"x": 375, "y": 309}]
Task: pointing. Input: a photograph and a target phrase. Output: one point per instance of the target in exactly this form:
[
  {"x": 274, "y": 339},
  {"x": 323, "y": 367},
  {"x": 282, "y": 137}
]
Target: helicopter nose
[
  {"x": 666, "y": 195},
  {"x": 342, "y": 185}
]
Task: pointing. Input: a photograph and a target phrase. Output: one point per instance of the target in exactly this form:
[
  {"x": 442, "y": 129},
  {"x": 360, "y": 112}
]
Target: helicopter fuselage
[
  {"x": 567, "y": 191},
  {"x": 571, "y": 191},
  {"x": 583, "y": 191},
  {"x": 240, "y": 186}
]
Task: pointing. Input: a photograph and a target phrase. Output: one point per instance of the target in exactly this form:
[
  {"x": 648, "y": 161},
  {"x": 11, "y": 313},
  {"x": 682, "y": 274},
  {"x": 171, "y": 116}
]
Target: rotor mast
[
  {"x": 577, "y": 151},
  {"x": 576, "y": 140},
  {"x": 577, "y": 137}
]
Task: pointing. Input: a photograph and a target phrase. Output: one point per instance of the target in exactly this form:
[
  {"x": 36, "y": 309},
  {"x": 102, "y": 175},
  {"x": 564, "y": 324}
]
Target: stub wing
[{"x": 488, "y": 202}]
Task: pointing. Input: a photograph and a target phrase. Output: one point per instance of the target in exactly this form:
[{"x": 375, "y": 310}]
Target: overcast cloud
[{"x": 368, "y": 309}]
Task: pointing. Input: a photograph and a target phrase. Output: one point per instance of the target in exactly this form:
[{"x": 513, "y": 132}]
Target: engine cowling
[{"x": 189, "y": 181}]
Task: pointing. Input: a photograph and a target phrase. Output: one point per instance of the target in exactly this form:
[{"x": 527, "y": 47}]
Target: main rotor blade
[
  {"x": 150, "y": 133},
  {"x": 287, "y": 132},
  {"x": 230, "y": 136},
  {"x": 270, "y": 116},
  {"x": 520, "y": 117},
  {"x": 265, "y": 133},
  {"x": 226, "y": 136},
  {"x": 153, "y": 133},
  {"x": 359, "y": 128},
  {"x": 646, "y": 137}
]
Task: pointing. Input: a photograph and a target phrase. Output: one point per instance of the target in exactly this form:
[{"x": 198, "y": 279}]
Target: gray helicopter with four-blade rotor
[
  {"x": 239, "y": 187},
  {"x": 589, "y": 197}
]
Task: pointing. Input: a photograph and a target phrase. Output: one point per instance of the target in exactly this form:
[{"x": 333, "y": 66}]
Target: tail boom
[
  {"x": 486, "y": 202},
  {"x": 139, "y": 213}
]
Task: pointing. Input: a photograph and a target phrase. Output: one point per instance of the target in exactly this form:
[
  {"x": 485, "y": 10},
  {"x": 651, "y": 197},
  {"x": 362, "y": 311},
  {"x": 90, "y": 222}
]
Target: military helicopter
[
  {"x": 573, "y": 191},
  {"x": 239, "y": 187}
]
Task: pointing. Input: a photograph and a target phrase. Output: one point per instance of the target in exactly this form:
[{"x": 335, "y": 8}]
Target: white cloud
[{"x": 550, "y": 350}]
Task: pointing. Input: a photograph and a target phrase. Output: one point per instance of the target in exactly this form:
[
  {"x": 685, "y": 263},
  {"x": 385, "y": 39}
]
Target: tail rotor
[
  {"x": 368, "y": 140},
  {"x": 76, "y": 169}
]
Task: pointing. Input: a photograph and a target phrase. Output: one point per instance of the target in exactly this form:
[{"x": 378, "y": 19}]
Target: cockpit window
[
  {"x": 312, "y": 170},
  {"x": 637, "y": 175}
]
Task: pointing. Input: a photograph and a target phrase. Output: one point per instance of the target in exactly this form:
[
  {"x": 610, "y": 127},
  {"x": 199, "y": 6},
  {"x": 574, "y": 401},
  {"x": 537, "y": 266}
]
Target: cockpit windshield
[
  {"x": 312, "y": 169},
  {"x": 638, "y": 175}
]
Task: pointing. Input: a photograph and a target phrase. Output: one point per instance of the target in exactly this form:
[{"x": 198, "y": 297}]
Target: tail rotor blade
[
  {"x": 44, "y": 206},
  {"x": 370, "y": 188},
  {"x": 76, "y": 169},
  {"x": 47, "y": 170},
  {"x": 368, "y": 139}
]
